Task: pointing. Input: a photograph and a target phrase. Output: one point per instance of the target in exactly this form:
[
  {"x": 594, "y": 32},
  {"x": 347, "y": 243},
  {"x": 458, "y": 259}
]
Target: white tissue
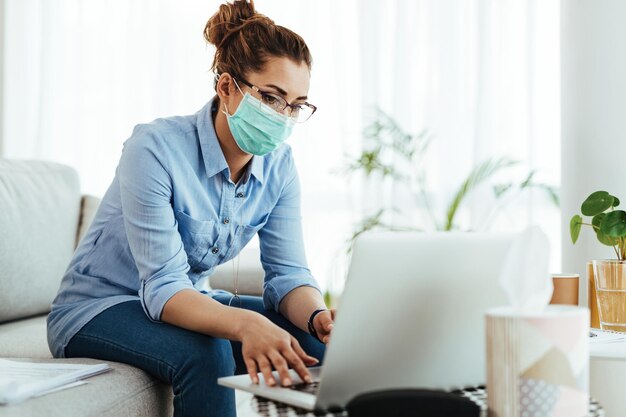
[{"x": 525, "y": 275}]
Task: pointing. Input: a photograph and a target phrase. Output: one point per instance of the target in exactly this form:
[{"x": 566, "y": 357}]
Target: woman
[{"x": 188, "y": 194}]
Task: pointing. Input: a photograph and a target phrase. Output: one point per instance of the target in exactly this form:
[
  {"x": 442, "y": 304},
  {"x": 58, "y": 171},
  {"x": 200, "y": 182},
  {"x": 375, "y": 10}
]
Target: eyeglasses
[{"x": 299, "y": 112}]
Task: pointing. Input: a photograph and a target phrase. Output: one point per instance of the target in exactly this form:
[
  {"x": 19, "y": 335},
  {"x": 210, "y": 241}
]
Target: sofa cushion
[
  {"x": 124, "y": 391},
  {"x": 24, "y": 338},
  {"x": 39, "y": 206},
  {"x": 144, "y": 394}
]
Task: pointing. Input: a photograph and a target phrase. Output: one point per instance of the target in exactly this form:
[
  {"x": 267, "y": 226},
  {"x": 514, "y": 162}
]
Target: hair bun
[
  {"x": 229, "y": 18},
  {"x": 245, "y": 39}
]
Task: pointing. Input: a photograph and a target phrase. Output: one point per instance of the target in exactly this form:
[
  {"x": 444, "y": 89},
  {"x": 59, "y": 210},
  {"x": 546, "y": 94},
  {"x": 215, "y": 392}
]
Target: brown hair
[{"x": 245, "y": 40}]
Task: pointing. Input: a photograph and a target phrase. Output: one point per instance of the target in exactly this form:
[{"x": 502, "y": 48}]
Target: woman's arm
[
  {"x": 145, "y": 188},
  {"x": 300, "y": 303},
  {"x": 195, "y": 311},
  {"x": 289, "y": 286}
]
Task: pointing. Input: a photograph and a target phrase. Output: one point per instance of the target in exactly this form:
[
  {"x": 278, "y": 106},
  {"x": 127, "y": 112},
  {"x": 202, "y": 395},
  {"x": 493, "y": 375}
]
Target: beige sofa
[{"x": 42, "y": 217}]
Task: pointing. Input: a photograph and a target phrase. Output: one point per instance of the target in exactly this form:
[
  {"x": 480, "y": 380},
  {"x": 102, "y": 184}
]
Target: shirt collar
[
  {"x": 256, "y": 167},
  {"x": 214, "y": 161}
]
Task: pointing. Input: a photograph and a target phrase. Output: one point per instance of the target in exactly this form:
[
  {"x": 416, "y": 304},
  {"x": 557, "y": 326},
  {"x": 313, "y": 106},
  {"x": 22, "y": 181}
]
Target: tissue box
[{"x": 538, "y": 363}]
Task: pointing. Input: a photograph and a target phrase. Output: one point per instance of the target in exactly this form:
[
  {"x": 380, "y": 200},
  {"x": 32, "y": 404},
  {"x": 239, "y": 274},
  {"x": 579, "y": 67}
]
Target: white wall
[{"x": 593, "y": 67}]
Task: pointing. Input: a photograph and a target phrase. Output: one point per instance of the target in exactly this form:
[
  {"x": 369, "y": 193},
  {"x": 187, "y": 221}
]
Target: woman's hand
[
  {"x": 324, "y": 323},
  {"x": 265, "y": 344}
]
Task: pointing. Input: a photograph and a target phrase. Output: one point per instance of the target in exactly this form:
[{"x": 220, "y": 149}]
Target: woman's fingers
[
  {"x": 301, "y": 353},
  {"x": 326, "y": 321},
  {"x": 324, "y": 325},
  {"x": 280, "y": 364},
  {"x": 297, "y": 364},
  {"x": 266, "y": 368},
  {"x": 252, "y": 370},
  {"x": 280, "y": 361},
  {"x": 275, "y": 348}
]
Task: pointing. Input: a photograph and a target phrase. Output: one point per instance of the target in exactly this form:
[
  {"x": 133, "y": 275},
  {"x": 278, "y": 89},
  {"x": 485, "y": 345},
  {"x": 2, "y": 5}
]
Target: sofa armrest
[{"x": 88, "y": 207}]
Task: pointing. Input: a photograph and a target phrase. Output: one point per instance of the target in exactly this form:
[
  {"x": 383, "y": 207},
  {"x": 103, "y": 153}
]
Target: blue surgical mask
[{"x": 257, "y": 128}]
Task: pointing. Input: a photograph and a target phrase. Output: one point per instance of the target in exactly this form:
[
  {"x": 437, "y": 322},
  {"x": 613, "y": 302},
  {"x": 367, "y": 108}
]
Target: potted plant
[
  {"x": 391, "y": 153},
  {"x": 607, "y": 278}
]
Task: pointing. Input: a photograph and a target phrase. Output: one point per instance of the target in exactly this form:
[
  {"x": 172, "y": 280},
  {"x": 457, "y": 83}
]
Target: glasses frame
[{"x": 285, "y": 104}]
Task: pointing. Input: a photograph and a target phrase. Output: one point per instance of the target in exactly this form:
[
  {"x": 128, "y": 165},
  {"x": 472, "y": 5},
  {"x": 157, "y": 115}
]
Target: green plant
[
  {"x": 608, "y": 224},
  {"x": 375, "y": 221},
  {"x": 392, "y": 152}
]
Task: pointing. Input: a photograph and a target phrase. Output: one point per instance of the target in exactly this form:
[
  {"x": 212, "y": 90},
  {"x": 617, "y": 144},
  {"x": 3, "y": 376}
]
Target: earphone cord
[{"x": 236, "y": 259}]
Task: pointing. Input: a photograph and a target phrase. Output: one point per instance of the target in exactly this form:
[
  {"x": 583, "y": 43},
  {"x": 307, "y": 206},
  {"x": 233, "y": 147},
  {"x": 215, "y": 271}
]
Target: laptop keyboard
[{"x": 310, "y": 388}]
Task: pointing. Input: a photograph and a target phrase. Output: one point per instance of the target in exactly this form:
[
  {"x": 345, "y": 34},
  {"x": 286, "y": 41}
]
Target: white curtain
[{"x": 481, "y": 76}]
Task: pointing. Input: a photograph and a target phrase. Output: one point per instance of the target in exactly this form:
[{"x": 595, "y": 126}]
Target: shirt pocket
[
  {"x": 247, "y": 231},
  {"x": 198, "y": 237}
]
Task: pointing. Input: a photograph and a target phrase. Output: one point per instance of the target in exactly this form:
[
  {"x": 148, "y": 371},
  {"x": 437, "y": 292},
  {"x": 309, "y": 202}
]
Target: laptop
[{"x": 411, "y": 316}]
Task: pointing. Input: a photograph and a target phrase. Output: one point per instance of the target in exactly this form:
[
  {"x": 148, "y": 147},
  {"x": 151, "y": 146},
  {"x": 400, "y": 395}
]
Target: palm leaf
[
  {"x": 477, "y": 176},
  {"x": 552, "y": 192},
  {"x": 528, "y": 182},
  {"x": 375, "y": 222},
  {"x": 368, "y": 223},
  {"x": 500, "y": 189}
]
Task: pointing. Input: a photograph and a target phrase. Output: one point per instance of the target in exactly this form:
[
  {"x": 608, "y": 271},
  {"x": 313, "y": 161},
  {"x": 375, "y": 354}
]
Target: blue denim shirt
[{"x": 171, "y": 215}]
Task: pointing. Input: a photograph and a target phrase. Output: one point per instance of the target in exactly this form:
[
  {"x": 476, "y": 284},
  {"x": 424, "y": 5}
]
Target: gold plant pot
[{"x": 592, "y": 300}]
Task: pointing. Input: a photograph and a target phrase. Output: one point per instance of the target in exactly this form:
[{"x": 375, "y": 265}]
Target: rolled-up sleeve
[
  {"x": 151, "y": 228},
  {"x": 282, "y": 246}
]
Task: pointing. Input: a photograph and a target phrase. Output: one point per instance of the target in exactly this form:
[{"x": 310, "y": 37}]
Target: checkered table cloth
[{"x": 268, "y": 408}]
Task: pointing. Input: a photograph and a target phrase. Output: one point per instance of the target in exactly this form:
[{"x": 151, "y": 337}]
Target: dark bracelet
[{"x": 310, "y": 326}]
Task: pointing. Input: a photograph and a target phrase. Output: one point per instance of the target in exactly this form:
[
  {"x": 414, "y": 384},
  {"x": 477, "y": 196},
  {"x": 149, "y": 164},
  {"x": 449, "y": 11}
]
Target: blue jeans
[{"x": 191, "y": 362}]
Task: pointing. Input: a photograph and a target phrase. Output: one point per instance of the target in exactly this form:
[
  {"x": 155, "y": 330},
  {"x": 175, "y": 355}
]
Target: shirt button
[
  {"x": 226, "y": 220},
  {"x": 215, "y": 250},
  {"x": 239, "y": 195}
]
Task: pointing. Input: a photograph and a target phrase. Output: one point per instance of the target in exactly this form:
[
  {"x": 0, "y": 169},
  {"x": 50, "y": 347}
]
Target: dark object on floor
[{"x": 411, "y": 403}]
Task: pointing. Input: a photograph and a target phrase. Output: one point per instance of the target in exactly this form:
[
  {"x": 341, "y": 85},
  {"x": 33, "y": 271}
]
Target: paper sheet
[{"x": 20, "y": 380}]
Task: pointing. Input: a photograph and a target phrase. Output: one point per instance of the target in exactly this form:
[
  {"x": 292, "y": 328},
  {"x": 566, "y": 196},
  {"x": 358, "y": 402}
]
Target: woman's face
[{"x": 280, "y": 76}]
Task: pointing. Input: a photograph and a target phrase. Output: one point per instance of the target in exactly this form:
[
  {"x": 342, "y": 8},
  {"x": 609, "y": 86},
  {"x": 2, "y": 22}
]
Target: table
[
  {"x": 263, "y": 407},
  {"x": 607, "y": 374}
]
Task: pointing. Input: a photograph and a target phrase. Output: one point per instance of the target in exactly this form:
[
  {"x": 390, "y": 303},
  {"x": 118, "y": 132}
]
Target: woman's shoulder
[
  {"x": 165, "y": 128},
  {"x": 164, "y": 135},
  {"x": 164, "y": 140}
]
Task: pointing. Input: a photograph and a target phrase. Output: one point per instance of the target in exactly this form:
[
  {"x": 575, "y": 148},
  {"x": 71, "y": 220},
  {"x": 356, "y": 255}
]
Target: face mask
[{"x": 257, "y": 128}]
